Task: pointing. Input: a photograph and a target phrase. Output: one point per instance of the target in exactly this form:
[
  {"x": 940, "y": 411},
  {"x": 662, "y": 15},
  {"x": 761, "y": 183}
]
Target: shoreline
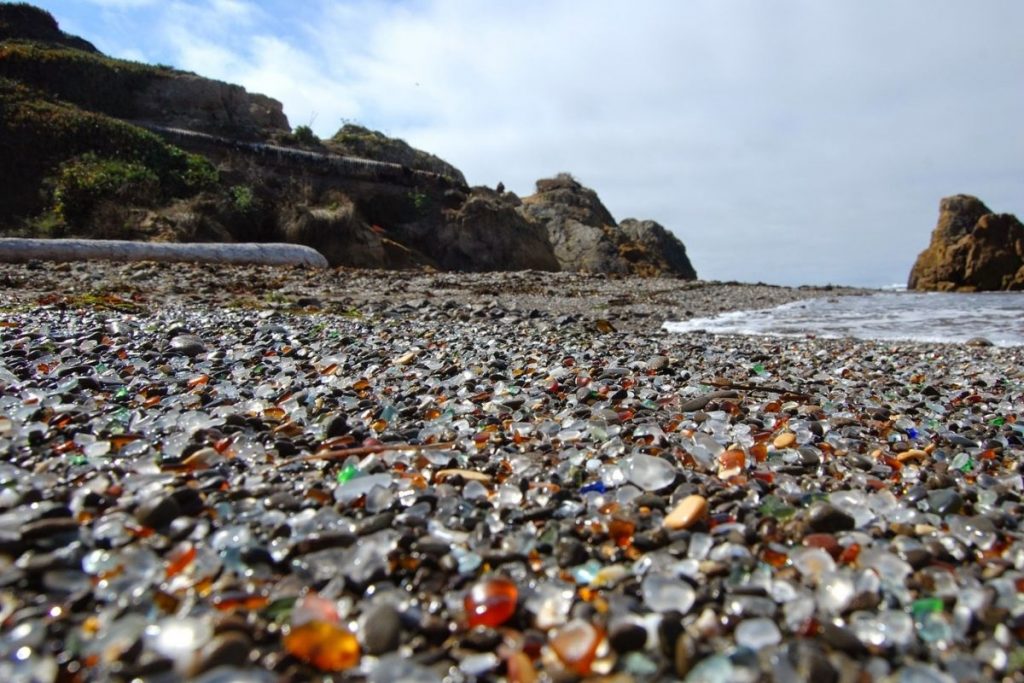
[
  {"x": 629, "y": 303},
  {"x": 365, "y": 453}
]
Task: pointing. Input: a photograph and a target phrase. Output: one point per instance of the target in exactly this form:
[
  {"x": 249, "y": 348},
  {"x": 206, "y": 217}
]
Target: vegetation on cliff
[
  {"x": 87, "y": 79},
  {"x": 60, "y": 162}
]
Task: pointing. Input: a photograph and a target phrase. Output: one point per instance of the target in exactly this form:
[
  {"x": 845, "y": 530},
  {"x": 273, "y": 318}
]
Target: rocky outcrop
[
  {"x": 477, "y": 232},
  {"x": 653, "y": 250},
  {"x": 586, "y": 238},
  {"x": 343, "y": 235},
  {"x": 972, "y": 249}
]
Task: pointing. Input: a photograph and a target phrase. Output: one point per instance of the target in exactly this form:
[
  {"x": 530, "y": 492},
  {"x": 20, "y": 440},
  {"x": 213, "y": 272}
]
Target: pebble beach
[{"x": 254, "y": 473}]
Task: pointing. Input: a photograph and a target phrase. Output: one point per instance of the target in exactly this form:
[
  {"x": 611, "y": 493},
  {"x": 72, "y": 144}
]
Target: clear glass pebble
[
  {"x": 757, "y": 633},
  {"x": 665, "y": 593},
  {"x": 648, "y": 472}
]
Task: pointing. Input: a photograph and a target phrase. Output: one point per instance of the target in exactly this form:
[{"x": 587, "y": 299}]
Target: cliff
[{"x": 97, "y": 147}]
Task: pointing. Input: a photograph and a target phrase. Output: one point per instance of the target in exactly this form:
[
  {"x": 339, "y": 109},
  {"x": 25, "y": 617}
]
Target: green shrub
[
  {"x": 304, "y": 135},
  {"x": 86, "y": 181},
  {"x": 420, "y": 200},
  {"x": 242, "y": 198}
]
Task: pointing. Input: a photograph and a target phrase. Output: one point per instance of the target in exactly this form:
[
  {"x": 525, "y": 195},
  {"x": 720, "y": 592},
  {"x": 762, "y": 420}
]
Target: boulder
[
  {"x": 971, "y": 249},
  {"x": 586, "y": 238}
]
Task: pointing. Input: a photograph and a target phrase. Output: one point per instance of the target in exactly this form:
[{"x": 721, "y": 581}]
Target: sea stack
[{"x": 972, "y": 250}]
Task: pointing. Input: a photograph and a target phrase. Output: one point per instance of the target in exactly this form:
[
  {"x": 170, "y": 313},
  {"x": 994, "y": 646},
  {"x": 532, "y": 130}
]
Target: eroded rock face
[
  {"x": 203, "y": 104},
  {"x": 586, "y": 238},
  {"x": 972, "y": 249}
]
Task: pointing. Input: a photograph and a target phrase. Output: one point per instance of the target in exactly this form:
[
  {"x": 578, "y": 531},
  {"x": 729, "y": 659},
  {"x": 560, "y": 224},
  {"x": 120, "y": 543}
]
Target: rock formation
[
  {"x": 586, "y": 238},
  {"x": 192, "y": 102},
  {"x": 971, "y": 249}
]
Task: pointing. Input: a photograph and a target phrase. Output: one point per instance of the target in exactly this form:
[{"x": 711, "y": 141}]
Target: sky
[{"x": 785, "y": 141}]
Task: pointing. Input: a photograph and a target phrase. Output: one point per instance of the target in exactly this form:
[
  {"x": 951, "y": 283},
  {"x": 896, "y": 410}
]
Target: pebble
[
  {"x": 158, "y": 512},
  {"x": 627, "y": 637},
  {"x": 658, "y": 363},
  {"x": 491, "y": 602},
  {"x": 381, "y": 630},
  {"x": 668, "y": 594},
  {"x": 576, "y": 645},
  {"x": 187, "y": 344},
  {"x": 648, "y": 472},
  {"x": 701, "y": 402},
  {"x": 944, "y": 502},
  {"x": 226, "y": 650},
  {"x": 757, "y": 633},
  {"x": 784, "y": 440},
  {"x": 262, "y": 505},
  {"x": 688, "y": 512},
  {"x": 825, "y": 518}
]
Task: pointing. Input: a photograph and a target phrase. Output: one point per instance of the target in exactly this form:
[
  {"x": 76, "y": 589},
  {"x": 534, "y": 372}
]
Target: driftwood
[{"x": 14, "y": 250}]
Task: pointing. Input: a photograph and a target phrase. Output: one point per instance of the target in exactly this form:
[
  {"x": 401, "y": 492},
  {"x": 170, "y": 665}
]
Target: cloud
[
  {"x": 793, "y": 141},
  {"x": 123, "y": 4}
]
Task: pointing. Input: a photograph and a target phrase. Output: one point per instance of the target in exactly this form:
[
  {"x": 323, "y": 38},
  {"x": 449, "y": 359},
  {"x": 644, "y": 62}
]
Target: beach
[{"x": 214, "y": 472}]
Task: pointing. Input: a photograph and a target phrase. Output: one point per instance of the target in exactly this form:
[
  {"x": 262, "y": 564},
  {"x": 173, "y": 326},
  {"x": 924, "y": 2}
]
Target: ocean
[{"x": 886, "y": 315}]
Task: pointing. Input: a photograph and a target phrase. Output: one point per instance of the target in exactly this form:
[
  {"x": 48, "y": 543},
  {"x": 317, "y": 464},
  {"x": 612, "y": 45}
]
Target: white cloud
[
  {"x": 793, "y": 141},
  {"x": 123, "y": 4}
]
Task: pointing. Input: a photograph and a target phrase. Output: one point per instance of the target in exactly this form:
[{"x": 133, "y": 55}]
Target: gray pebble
[
  {"x": 381, "y": 630},
  {"x": 187, "y": 344},
  {"x": 945, "y": 502}
]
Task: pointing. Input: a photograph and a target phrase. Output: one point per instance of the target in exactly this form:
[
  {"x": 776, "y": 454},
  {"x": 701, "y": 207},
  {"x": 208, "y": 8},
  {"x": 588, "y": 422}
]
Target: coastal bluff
[
  {"x": 972, "y": 249},
  {"x": 93, "y": 147}
]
